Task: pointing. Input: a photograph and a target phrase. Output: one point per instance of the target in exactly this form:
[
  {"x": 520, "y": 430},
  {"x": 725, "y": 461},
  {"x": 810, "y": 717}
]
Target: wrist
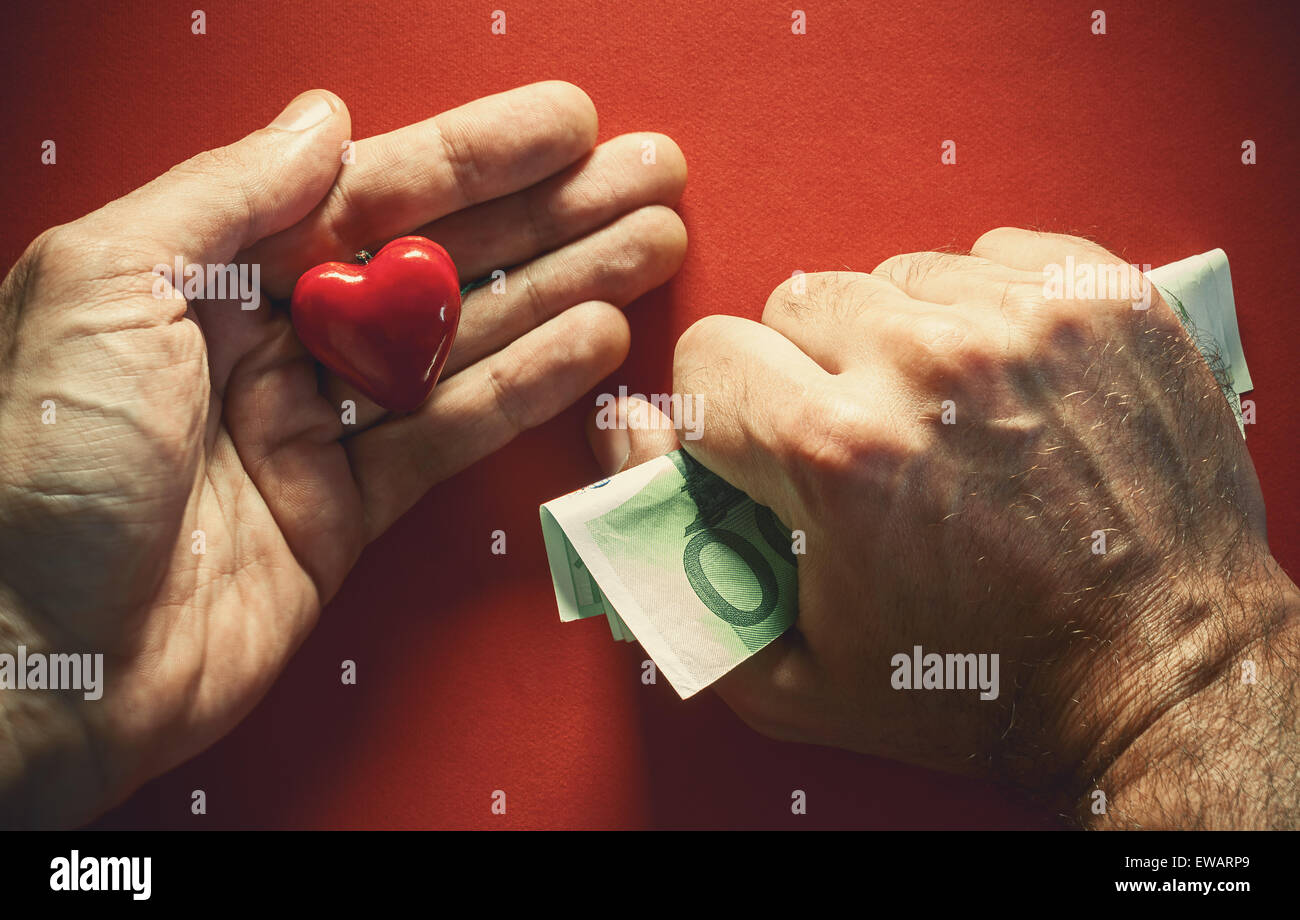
[
  {"x": 1218, "y": 750},
  {"x": 50, "y": 774}
]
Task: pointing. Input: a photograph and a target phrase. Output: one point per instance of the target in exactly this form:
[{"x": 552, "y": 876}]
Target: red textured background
[{"x": 813, "y": 152}]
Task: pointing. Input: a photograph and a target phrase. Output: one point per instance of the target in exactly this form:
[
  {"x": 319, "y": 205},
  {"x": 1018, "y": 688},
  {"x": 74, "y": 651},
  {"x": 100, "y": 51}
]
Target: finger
[
  {"x": 777, "y": 690},
  {"x": 1031, "y": 250},
  {"x": 1059, "y": 260},
  {"x": 832, "y": 316},
  {"x": 616, "y": 265},
  {"x": 406, "y": 178},
  {"x": 751, "y": 384},
  {"x": 627, "y": 432},
  {"x": 613, "y": 180},
  {"x": 483, "y": 407},
  {"x": 217, "y": 203},
  {"x": 945, "y": 278}
]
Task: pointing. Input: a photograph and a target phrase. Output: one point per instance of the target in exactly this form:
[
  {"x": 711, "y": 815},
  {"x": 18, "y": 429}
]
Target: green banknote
[
  {"x": 1199, "y": 289},
  {"x": 678, "y": 559}
]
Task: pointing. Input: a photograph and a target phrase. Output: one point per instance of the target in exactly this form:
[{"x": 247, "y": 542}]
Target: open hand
[{"x": 172, "y": 417}]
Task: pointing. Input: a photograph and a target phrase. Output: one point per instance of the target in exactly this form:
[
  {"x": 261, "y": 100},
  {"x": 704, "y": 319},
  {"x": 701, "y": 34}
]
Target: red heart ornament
[{"x": 386, "y": 325}]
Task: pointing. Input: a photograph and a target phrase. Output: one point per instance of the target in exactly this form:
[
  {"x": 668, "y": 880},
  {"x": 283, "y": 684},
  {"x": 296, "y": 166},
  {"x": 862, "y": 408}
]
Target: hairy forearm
[{"x": 1227, "y": 756}]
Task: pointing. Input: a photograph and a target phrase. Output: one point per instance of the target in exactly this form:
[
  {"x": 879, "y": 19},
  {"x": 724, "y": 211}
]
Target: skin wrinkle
[
  {"x": 1121, "y": 497},
  {"x": 464, "y": 171},
  {"x": 1139, "y": 632},
  {"x": 1197, "y": 679},
  {"x": 1184, "y": 605},
  {"x": 272, "y": 522},
  {"x": 1152, "y": 771}
]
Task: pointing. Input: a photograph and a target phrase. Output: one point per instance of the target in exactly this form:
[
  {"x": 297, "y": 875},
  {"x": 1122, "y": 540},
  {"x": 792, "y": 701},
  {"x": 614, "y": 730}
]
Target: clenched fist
[{"x": 1053, "y": 488}]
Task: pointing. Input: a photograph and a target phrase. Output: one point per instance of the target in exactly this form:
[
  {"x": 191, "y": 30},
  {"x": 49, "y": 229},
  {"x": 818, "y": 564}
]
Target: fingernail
[
  {"x": 308, "y": 109},
  {"x": 612, "y": 447}
]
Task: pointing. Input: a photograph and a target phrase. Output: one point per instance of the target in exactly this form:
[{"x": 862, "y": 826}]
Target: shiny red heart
[{"x": 385, "y": 326}]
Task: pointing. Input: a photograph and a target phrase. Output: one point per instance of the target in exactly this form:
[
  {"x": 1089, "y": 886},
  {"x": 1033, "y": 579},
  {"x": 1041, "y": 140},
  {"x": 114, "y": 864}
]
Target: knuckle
[
  {"x": 851, "y": 294},
  {"x": 519, "y": 413},
  {"x": 43, "y": 249},
  {"x": 63, "y": 254},
  {"x": 992, "y": 240},
  {"x": 1022, "y": 296},
  {"x": 910, "y": 270},
  {"x": 59, "y": 243},
  {"x": 948, "y": 357},
  {"x": 933, "y": 347},
  {"x": 347, "y": 222},
  {"x": 843, "y": 295},
  {"x": 841, "y": 447},
  {"x": 794, "y": 296},
  {"x": 700, "y": 339},
  {"x": 462, "y": 165},
  {"x": 18, "y": 284},
  {"x": 784, "y": 301},
  {"x": 534, "y": 299},
  {"x": 890, "y": 268}
]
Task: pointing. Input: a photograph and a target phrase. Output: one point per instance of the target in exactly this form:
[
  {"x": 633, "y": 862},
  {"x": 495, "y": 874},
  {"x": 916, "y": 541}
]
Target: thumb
[
  {"x": 221, "y": 201},
  {"x": 628, "y": 433}
]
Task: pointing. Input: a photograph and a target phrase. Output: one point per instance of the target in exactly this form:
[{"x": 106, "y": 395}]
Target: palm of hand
[
  {"x": 151, "y": 517},
  {"x": 179, "y": 489}
]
